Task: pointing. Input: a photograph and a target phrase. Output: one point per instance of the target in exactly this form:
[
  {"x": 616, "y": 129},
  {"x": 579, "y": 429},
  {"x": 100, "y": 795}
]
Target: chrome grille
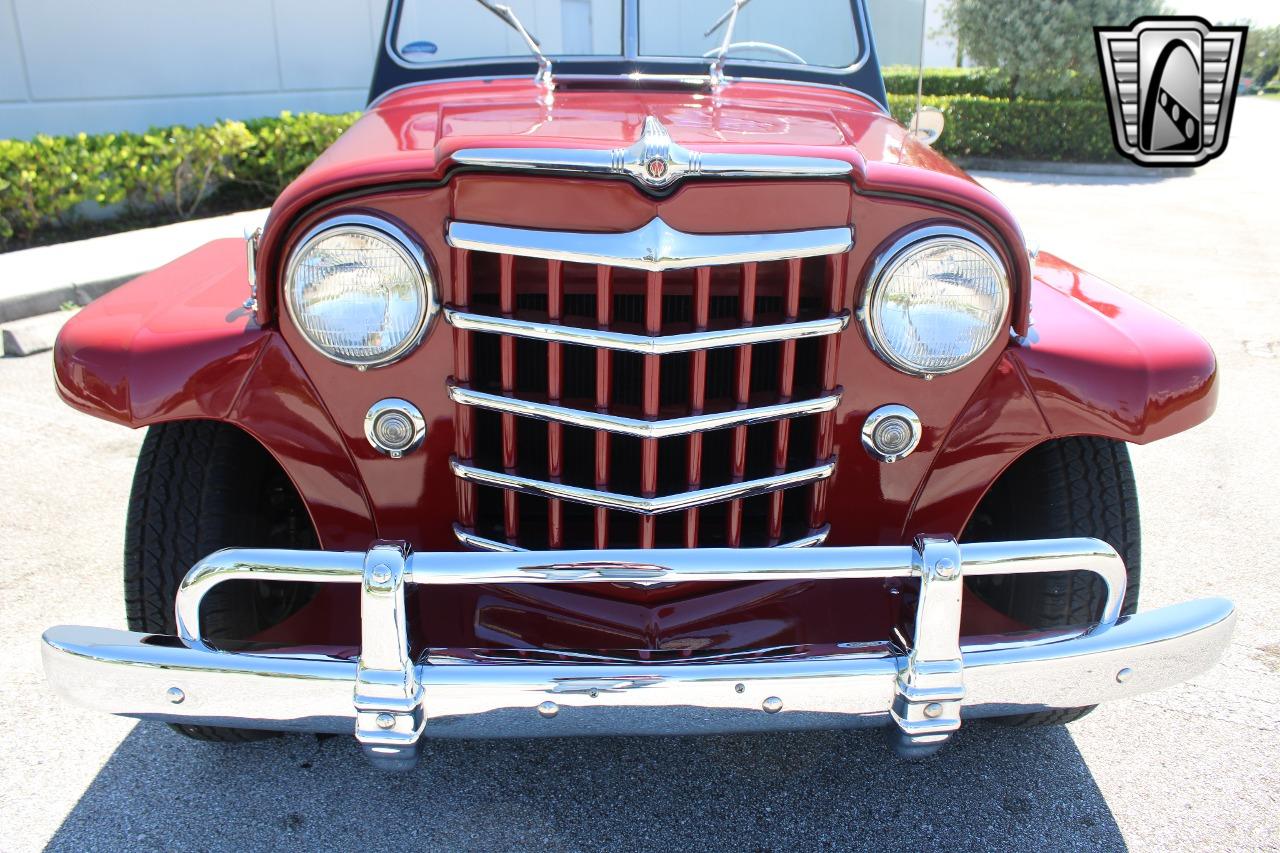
[{"x": 640, "y": 400}]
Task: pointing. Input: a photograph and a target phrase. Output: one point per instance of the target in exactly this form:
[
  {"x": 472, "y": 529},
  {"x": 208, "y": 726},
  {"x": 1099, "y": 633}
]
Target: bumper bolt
[
  {"x": 772, "y": 705},
  {"x": 380, "y": 575},
  {"x": 933, "y": 710},
  {"x": 548, "y": 709},
  {"x": 1123, "y": 675},
  {"x": 175, "y": 695},
  {"x": 385, "y": 720},
  {"x": 946, "y": 569},
  {"x": 739, "y": 688}
]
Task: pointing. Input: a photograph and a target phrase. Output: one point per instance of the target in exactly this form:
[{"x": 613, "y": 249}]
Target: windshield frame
[{"x": 393, "y": 71}]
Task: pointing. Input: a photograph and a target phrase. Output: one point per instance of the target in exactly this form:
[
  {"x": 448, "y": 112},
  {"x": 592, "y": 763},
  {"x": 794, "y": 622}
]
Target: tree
[
  {"x": 1044, "y": 46},
  {"x": 1261, "y": 55}
]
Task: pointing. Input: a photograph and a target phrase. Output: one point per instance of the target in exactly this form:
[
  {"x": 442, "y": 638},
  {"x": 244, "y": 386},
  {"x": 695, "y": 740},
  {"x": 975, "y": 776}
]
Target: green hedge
[
  {"x": 170, "y": 172},
  {"x": 1018, "y": 130},
  {"x": 990, "y": 82},
  {"x": 984, "y": 82}
]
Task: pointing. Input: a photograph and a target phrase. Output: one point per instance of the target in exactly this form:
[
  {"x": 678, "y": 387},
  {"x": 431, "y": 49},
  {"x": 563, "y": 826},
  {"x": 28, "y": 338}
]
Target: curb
[
  {"x": 35, "y": 334},
  {"x": 1052, "y": 167},
  {"x": 42, "y": 280},
  {"x": 33, "y": 303}
]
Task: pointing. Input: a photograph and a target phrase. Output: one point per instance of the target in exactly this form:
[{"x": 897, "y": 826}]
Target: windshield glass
[
  {"x": 815, "y": 32},
  {"x": 820, "y": 33}
]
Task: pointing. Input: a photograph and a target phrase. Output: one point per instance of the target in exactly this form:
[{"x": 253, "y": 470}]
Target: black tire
[
  {"x": 201, "y": 486},
  {"x": 1078, "y": 486}
]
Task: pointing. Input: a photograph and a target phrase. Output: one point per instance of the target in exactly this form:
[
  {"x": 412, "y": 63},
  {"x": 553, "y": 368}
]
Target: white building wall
[
  {"x": 85, "y": 65},
  {"x": 68, "y": 66},
  {"x": 897, "y": 27}
]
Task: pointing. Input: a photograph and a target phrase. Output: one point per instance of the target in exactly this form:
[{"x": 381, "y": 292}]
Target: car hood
[{"x": 412, "y": 136}]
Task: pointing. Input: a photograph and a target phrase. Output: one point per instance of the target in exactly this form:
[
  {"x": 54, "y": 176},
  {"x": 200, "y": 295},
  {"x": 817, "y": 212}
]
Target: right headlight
[
  {"x": 360, "y": 291},
  {"x": 935, "y": 302}
]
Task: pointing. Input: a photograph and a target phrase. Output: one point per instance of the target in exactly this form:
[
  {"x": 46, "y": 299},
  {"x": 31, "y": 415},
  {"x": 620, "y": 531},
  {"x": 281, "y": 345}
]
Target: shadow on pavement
[
  {"x": 1064, "y": 179},
  {"x": 992, "y": 788}
]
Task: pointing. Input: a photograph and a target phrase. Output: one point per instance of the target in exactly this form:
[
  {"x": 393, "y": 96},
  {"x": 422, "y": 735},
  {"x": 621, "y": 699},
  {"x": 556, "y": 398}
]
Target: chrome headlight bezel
[
  {"x": 891, "y": 259},
  {"x": 404, "y": 245}
]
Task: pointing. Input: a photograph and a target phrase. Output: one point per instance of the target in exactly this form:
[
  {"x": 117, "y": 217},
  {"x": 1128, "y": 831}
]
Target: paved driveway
[{"x": 1192, "y": 767}]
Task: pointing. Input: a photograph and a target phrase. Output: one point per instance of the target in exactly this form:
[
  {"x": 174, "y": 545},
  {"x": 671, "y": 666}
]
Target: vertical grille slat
[
  {"x": 591, "y": 412},
  {"x": 507, "y": 344},
  {"x": 652, "y": 398},
  {"x": 786, "y": 387},
  {"x": 741, "y": 397},
  {"x": 830, "y": 360},
  {"x": 697, "y": 396},
  {"x": 464, "y": 416},
  {"x": 555, "y": 391},
  {"x": 604, "y": 387}
]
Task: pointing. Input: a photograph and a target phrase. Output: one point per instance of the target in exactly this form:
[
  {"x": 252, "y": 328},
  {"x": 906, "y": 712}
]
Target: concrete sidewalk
[{"x": 41, "y": 280}]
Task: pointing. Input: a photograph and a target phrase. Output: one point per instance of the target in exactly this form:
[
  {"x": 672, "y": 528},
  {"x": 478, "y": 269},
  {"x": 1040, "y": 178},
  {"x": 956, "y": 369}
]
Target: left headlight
[
  {"x": 935, "y": 302},
  {"x": 360, "y": 290}
]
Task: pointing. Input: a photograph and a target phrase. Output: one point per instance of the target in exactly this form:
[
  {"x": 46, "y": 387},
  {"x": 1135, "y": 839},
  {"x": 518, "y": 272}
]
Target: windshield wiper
[
  {"x": 731, "y": 17},
  {"x": 543, "y": 77}
]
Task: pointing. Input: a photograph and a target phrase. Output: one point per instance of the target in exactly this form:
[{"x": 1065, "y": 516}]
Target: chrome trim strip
[
  {"x": 644, "y": 344},
  {"x": 641, "y": 506},
  {"x": 813, "y": 540},
  {"x": 480, "y": 543},
  {"x": 655, "y": 160},
  {"x": 636, "y": 426},
  {"x": 633, "y": 78},
  {"x": 654, "y": 247}
]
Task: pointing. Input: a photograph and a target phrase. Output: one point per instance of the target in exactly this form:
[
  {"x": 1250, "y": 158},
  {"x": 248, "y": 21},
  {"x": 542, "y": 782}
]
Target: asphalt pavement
[{"x": 1190, "y": 768}]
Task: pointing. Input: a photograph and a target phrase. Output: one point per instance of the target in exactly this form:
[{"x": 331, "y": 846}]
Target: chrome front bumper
[{"x": 391, "y": 701}]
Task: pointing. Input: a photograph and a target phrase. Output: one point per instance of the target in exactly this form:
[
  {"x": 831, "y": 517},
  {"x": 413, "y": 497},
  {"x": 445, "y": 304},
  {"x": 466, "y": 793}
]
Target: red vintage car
[{"x": 654, "y": 380}]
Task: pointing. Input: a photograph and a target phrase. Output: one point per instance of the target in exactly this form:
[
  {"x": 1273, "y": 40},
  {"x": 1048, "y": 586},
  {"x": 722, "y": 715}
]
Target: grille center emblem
[{"x": 655, "y": 159}]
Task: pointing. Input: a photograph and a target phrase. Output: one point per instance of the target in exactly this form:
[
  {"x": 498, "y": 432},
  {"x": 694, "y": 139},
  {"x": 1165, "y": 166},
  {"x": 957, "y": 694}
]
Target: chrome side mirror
[{"x": 926, "y": 124}]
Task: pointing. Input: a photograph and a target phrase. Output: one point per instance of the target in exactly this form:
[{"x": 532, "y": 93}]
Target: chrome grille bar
[
  {"x": 645, "y": 344},
  {"x": 480, "y": 543},
  {"x": 637, "y": 426},
  {"x": 640, "y": 505},
  {"x": 654, "y": 247}
]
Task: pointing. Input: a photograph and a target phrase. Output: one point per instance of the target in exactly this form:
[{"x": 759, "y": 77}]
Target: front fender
[
  {"x": 1102, "y": 362},
  {"x": 175, "y": 344},
  {"x": 1097, "y": 361}
]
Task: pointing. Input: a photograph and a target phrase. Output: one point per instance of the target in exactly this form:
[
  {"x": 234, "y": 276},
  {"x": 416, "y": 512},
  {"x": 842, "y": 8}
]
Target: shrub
[
  {"x": 986, "y": 82},
  {"x": 989, "y": 82},
  {"x": 41, "y": 181},
  {"x": 282, "y": 147},
  {"x": 171, "y": 171},
  {"x": 1018, "y": 130}
]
